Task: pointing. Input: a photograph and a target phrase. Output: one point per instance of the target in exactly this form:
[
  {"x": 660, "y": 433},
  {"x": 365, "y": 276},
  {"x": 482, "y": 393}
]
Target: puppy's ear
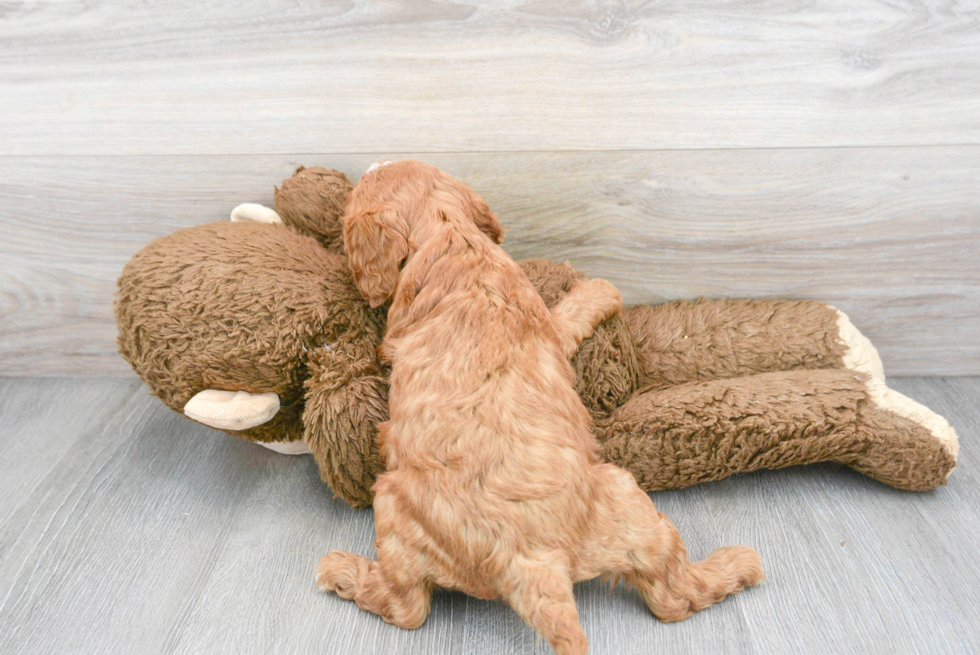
[
  {"x": 479, "y": 211},
  {"x": 485, "y": 219},
  {"x": 377, "y": 246}
]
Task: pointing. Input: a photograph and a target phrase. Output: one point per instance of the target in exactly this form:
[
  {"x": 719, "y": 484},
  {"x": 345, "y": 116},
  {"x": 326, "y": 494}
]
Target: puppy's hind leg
[
  {"x": 675, "y": 587},
  {"x": 395, "y": 587},
  {"x": 649, "y": 553},
  {"x": 396, "y": 595},
  {"x": 540, "y": 590}
]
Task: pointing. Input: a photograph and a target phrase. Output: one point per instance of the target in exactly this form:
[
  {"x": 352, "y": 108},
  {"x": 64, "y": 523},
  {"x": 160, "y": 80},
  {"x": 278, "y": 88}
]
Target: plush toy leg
[
  {"x": 696, "y": 432},
  {"x": 346, "y": 399},
  {"x": 231, "y": 410},
  {"x": 687, "y": 341},
  {"x": 253, "y": 212}
]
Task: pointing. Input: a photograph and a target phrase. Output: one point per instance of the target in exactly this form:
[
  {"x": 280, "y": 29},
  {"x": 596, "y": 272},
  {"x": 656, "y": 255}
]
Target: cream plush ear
[
  {"x": 256, "y": 213},
  {"x": 376, "y": 243}
]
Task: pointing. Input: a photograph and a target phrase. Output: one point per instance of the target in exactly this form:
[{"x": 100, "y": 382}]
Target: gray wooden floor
[{"x": 126, "y": 528}]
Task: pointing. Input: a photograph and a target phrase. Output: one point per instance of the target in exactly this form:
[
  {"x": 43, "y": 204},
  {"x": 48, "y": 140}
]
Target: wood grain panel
[
  {"x": 891, "y": 236},
  {"x": 349, "y": 77},
  {"x": 149, "y": 533}
]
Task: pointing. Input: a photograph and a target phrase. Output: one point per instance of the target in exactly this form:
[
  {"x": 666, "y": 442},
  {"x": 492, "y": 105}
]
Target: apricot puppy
[{"x": 493, "y": 484}]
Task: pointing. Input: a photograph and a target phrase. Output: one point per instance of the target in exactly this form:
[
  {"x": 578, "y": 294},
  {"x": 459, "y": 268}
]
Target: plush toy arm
[
  {"x": 587, "y": 304},
  {"x": 346, "y": 399},
  {"x": 686, "y": 341},
  {"x": 692, "y": 433}
]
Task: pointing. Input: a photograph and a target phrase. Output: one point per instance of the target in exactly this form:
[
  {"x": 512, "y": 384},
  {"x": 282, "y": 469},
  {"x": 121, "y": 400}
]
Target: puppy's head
[{"x": 396, "y": 207}]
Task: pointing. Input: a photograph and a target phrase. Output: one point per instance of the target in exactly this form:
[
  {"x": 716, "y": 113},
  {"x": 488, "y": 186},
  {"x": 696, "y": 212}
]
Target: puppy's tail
[{"x": 540, "y": 590}]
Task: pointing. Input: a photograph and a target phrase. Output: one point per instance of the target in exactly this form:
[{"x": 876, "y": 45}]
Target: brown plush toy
[{"x": 255, "y": 327}]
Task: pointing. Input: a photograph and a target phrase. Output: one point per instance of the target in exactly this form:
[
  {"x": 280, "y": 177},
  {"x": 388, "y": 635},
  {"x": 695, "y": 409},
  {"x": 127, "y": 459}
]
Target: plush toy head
[
  {"x": 312, "y": 203},
  {"x": 244, "y": 306}
]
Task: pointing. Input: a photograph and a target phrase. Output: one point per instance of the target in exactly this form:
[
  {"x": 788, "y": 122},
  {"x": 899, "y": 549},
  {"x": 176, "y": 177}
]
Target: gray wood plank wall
[{"x": 826, "y": 150}]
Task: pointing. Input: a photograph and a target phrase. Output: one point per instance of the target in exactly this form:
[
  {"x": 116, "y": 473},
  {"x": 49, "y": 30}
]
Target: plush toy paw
[
  {"x": 256, "y": 213},
  {"x": 897, "y": 403},
  {"x": 286, "y": 447},
  {"x": 859, "y": 354},
  {"x": 231, "y": 410}
]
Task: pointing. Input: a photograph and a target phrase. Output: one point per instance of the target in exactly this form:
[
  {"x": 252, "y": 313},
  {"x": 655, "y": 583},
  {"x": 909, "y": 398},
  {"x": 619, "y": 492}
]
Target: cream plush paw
[
  {"x": 286, "y": 447},
  {"x": 231, "y": 410},
  {"x": 256, "y": 213},
  {"x": 859, "y": 355}
]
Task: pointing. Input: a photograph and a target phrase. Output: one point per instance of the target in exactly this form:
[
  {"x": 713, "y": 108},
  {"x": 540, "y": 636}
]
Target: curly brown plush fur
[
  {"x": 681, "y": 393},
  {"x": 312, "y": 202}
]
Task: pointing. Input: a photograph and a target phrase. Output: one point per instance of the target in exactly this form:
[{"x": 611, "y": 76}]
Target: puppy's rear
[{"x": 493, "y": 485}]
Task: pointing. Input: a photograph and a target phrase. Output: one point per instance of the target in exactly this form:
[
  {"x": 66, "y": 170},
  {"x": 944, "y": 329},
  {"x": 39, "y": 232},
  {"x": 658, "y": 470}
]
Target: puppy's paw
[
  {"x": 339, "y": 572},
  {"x": 743, "y": 565},
  {"x": 601, "y": 295}
]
